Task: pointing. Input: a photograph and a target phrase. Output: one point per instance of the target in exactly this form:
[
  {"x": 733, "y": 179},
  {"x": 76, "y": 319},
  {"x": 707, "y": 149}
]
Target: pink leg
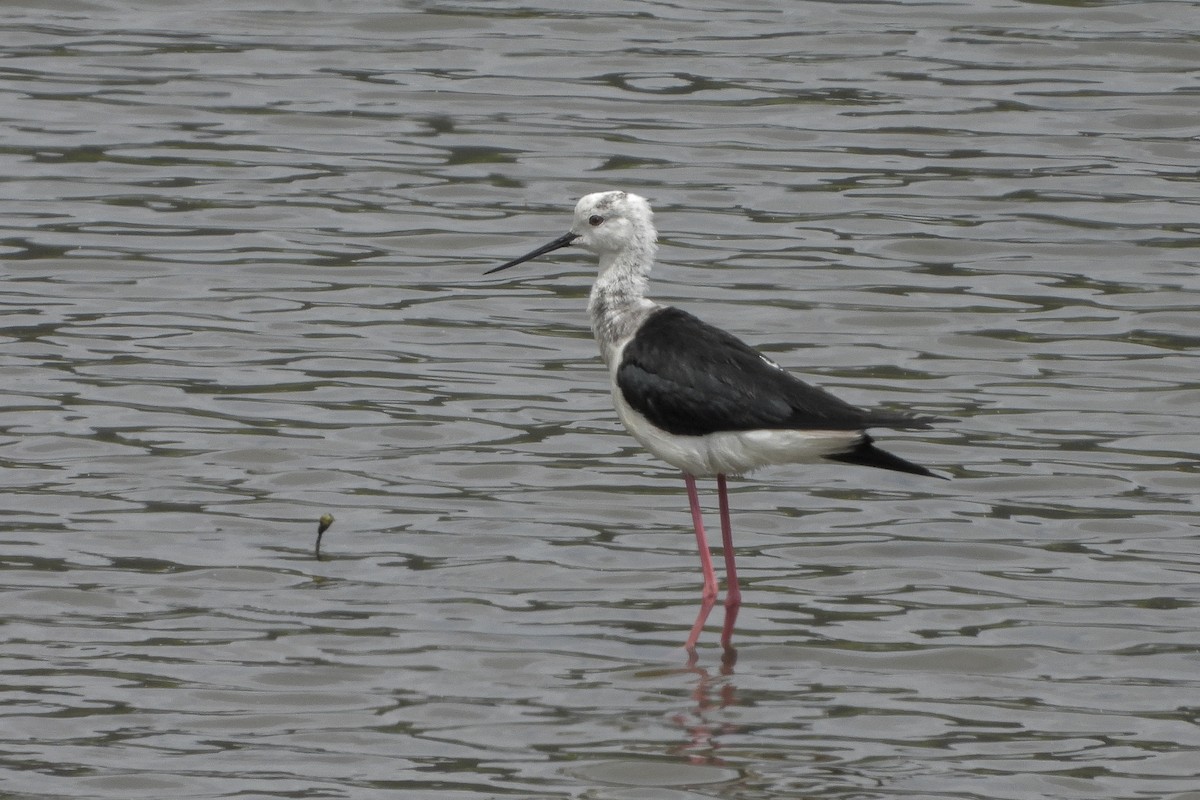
[
  {"x": 706, "y": 606},
  {"x": 733, "y": 592},
  {"x": 709, "y": 595},
  {"x": 710, "y": 577}
]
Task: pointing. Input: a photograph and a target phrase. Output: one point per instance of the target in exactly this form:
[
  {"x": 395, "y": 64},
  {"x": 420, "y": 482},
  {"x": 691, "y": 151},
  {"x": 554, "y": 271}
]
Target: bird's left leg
[{"x": 733, "y": 592}]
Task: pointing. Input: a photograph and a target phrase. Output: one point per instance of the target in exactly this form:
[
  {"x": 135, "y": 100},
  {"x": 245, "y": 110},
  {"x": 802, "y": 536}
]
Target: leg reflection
[{"x": 703, "y": 722}]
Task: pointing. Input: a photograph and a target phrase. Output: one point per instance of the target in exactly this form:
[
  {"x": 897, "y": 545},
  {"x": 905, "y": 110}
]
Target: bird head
[{"x": 607, "y": 224}]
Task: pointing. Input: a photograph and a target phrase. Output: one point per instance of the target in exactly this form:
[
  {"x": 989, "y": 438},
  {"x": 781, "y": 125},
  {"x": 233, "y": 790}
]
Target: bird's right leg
[
  {"x": 709, "y": 596},
  {"x": 710, "y": 577}
]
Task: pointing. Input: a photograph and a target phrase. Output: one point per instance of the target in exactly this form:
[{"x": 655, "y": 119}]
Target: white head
[{"x": 609, "y": 224}]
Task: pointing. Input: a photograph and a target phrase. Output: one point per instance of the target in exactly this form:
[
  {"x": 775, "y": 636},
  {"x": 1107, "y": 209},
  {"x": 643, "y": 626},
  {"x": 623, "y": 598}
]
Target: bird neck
[{"x": 618, "y": 302}]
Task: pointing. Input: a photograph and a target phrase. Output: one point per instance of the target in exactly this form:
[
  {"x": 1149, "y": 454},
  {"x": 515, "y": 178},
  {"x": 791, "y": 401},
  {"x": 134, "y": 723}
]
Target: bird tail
[{"x": 866, "y": 454}]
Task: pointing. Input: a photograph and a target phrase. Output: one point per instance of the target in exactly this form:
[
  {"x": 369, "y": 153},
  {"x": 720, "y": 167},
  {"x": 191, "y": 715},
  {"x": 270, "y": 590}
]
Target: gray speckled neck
[{"x": 618, "y": 306}]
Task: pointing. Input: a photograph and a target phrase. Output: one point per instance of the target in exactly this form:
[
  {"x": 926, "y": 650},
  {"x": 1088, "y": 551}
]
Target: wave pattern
[{"x": 241, "y": 288}]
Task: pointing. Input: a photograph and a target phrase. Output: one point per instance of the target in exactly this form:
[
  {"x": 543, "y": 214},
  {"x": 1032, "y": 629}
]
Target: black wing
[{"x": 691, "y": 379}]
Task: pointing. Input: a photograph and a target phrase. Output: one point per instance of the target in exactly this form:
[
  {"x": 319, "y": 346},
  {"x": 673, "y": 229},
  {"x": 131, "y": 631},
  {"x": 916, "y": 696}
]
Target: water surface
[{"x": 242, "y": 287}]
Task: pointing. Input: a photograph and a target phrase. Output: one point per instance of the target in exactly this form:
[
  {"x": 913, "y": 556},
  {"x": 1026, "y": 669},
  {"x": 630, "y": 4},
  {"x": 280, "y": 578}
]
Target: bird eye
[{"x": 595, "y": 219}]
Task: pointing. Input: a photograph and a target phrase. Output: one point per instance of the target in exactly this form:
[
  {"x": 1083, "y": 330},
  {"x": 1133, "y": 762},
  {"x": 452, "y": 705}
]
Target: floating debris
[{"x": 322, "y": 525}]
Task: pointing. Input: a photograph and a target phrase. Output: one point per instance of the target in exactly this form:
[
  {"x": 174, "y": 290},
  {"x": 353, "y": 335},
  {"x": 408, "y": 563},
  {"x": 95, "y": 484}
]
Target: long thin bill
[{"x": 561, "y": 241}]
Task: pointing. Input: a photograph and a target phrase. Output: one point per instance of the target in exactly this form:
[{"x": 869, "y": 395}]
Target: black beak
[{"x": 561, "y": 241}]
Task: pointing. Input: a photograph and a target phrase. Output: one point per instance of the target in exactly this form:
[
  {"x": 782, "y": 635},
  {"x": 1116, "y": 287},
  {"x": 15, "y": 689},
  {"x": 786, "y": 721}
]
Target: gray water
[{"x": 243, "y": 248}]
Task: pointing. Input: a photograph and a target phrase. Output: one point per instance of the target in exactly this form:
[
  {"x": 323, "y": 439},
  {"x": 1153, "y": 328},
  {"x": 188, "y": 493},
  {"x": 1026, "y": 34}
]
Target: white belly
[{"x": 732, "y": 452}]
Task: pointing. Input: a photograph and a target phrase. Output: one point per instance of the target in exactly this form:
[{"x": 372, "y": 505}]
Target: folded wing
[{"x": 691, "y": 379}]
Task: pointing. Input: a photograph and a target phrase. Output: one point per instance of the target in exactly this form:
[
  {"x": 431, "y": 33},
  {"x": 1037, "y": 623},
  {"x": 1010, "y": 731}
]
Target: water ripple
[{"x": 242, "y": 289}]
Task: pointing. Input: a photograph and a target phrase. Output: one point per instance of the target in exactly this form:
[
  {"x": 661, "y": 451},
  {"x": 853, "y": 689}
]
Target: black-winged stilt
[{"x": 699, "y": 398}]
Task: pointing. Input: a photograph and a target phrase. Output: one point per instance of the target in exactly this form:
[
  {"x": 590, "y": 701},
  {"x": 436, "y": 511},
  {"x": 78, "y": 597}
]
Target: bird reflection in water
[{"x": 711, "y": 694}]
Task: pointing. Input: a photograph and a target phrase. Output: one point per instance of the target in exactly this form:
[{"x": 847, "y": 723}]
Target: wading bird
[{"x": 698, "y": 397}]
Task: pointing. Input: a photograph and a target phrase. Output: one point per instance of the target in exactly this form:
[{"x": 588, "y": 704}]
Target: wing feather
[{"x": 691, "y": 379}]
